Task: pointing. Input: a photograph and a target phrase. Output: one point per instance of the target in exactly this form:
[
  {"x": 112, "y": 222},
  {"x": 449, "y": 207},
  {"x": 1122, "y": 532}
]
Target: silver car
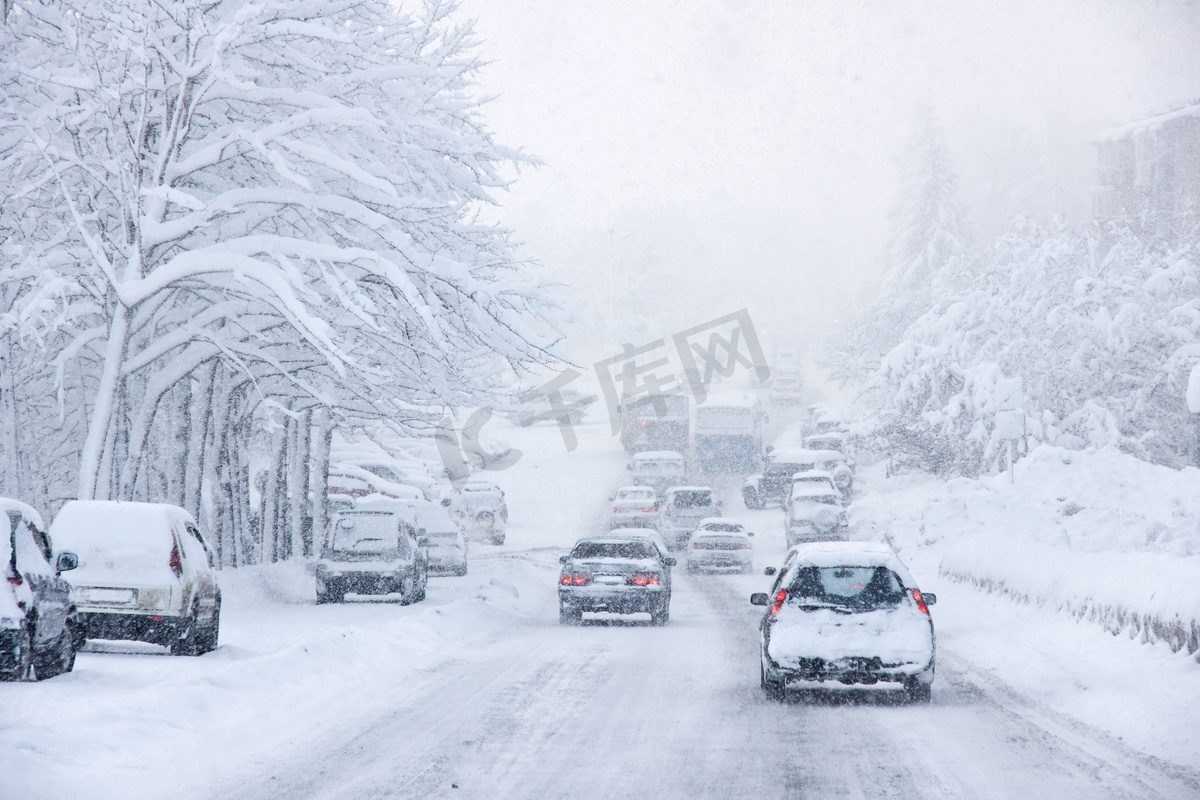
[
  {"x": 618, "y": 575},
  {"x": 846, "y": 613},
  {"x": 371, "y": 551},
  {"x": 720, "y": 543},
  {"x": 634, "y": 507},
  {"x": 681, "y": 510}
]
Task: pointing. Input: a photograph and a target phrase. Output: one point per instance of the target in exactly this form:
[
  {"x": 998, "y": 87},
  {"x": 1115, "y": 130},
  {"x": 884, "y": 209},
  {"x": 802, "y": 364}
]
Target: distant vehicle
[
  {"x": 655, "y": 422},
  {"x": 830, "y": 440},
  {"x": 447, "y": 544},
  {"x": 145, "y": 573},
  {"x": 530, "y": 407},
  {"x": 394, "y": 473},
  {"x": 480, "y": 510},
  {"x": 822, "y": 419},
  {"x": 355, "y": 481},
  {"x": 728, "y": 435},
  {"x": 659, "y": 469},
  {"x": 815, "y": 515},
  {"x": 786, "y": 390},
  {"x": 812, "y": 477},
  {"x": 848, "y": 612},
  {"x": 39, "y": 625},
  {"x": 372, "y": 550},
  {"x": 720, "y": 543},
  {"x": 634, "y": 507},
  {"x": 772, "y": 484},
  {"x": 619, "y": 575},
  {"x": 681, "y": 510}
]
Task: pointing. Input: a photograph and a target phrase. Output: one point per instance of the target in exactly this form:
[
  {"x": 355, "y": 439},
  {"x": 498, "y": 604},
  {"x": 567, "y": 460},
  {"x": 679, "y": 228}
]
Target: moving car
[
  {"x": 372, "y": 550},
  {"x": 815, "y": 514},
  {"x": 145, "y": 573},
  {"x": 39, "y": 626},
  {"x": 615, "y": 574},
  {"x": 655, "y": 422},
  {"x": 787, "y": 390},
  {"x": 634, "y": 507},
  {"x": 658, "y": 469},
  {"x": 728, "y": 434},
  {"x": 720, "y": 543},
  {"x": 849, "y": 613},
  {"x": 772, "y": 484},
  {"x": 681, "y": 510},
  {"x": 806, "y": 479},
  {"x": 480, "y": 510}
]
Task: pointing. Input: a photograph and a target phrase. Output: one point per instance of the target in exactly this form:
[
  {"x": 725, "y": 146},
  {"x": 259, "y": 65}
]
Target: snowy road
[
  {"x": 479, "y": 692},
  {"x": 613, "y": 710}
]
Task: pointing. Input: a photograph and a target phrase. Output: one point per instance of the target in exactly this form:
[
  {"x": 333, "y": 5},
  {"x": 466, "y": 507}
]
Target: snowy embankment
[{"x": 1097, "y": 534}]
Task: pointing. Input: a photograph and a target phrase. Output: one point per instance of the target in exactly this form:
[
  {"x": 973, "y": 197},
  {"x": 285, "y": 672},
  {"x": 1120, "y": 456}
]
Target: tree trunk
[
  {"x": 301, "y": 523},
  {"x": 320, "y": 475},
  {"x": 102, "y": 410},
  {"x": 274, "y": 496},
  {"x": 199, "y": 417}
]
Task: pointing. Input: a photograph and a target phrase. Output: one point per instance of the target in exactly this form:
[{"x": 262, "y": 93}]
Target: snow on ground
[{"x": 1077, "y": 533}]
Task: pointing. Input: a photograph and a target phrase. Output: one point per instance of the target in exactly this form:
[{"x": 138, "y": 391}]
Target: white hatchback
[
  {"x": 634, "y": 507},
  {"x": 720, "y": 543}
]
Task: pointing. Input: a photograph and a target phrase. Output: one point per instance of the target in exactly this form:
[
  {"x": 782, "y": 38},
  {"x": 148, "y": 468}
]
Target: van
[
  {"x": 145, "y": 573},
  {"x": 659, "y": 469}
]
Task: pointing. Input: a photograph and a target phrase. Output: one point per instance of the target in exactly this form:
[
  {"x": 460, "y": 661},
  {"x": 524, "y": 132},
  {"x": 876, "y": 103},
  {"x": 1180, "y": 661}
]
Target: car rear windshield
[
  {"x": 636, "y": 495},
  {"x": 724, "y": 527},
  {"x": 658, "y": 467},
  {"x": 374, "y": 534},
  {"x": 855, "y": 587},
  {"x": 692, "y": 499},
  {"x": 787, "y": 469},
  {"x": 630, "y": 550}
]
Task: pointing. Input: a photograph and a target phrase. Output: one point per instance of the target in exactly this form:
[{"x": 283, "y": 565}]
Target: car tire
[
  {"x": 23, "y": 668},
  {"x": 420, "y": 595},
  {"x": 661, "y": 616},
  {"x": 918, "y": 693},
  {"x": 460, "y": 571},
  {"x": 569, "y": 615},
  {"x": 752, "y": 499},
  {"x": 189, "y": 643},
  {"x": 773, "y": 689},
  {"x": 211, "y": 632},
  {"x": 330, "y": 596},
  {"x": 498, "y": 540},
  {"x": 58, "y": 659}
]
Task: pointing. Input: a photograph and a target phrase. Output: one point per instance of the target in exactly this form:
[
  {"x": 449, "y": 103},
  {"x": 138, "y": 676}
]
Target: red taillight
[
  {"x": 176, "y": 562},
  {"x": 916, "y": 593},
  {"x": 575, "y": 579},
  {"x": 16, "y": 580},
  {"x": 617, "y": 510},
  {"x": 744, "y": 546},
  {"x": 780, "y": 597},
  {"x": 642, "y": 579},
  {"x": 699, "y": 546}
]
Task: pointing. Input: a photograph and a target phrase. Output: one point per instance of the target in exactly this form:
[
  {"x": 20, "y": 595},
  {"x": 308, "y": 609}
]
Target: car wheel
[
  {"x": 58, "y": 659},
  {"x": 569, "y": 615},
  {"x": 424, "y": 587},
  {"x": 461, "y": 570},
  {"x": 752, "y": 500},
  {"x": 918, "y": 693},
  {"x": 498, "y": 540},
  {"x": 189, "y": 643},
  {"x": 211, "y": 632},
  {"x": 331, "y": 596},
  {"x": 661, "y": 615},
  {"x": 773, "y": 689}
]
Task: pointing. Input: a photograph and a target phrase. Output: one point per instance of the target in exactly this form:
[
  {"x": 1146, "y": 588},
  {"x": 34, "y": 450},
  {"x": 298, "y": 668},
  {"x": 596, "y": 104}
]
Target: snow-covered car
[
  {"x": 720, "y": 543},
  {"x": 848, "y": 612},
  {"x": 394, "y": 473},
  {"x": 614, "y": 574},
  {"x": 634, "y": 507},
  {"x": 658, "y": 469},
  {"x": 480, "y": 510},
  {"x": 39, "y": 628},
  {"x": 681, "y": 510},
  {"x": 805, "y": 479},
  {"x": 786, "y": 390},
  {"x": 355, "y": 481},
  {"x": 145, "y": 573},
  {"x": 372, "y": 550},
  {"x": 447, "y": 544},
  {"x": 815, "y": 514},
  {"x": 772, "y": 484},
  {"x": 830, "y": 440}
]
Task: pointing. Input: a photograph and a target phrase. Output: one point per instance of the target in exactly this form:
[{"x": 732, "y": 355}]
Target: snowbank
[{"x": 1096, "y": 534}]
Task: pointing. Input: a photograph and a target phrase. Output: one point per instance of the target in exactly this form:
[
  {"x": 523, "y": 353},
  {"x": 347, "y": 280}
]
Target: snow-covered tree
[{"x": 215, "y": 205}]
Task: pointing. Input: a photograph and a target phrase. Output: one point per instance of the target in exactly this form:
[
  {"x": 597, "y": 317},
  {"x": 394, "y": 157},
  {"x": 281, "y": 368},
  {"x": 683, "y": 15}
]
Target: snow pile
[{"x": 1098, "y": 534}]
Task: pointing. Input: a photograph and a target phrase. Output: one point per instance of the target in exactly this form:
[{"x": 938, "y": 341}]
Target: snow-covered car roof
[
  {"x": 478, "y": 485},
  {"x": 812, "y": 476},
  {"x": 851, "y": 554},
  {"x": 657, "y": 455},
  {"x": 719, "y": 521},
  {"x": 813, "y": 489},
  {"x": 689, "y": 489},
  {"x": 789, "y": 455},
  {"x": 635, "y": 490},
  {"x": 721, "y": 526}
]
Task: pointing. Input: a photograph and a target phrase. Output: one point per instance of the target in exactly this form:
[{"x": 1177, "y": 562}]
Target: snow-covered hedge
[{"x": 1097, "y": 534}]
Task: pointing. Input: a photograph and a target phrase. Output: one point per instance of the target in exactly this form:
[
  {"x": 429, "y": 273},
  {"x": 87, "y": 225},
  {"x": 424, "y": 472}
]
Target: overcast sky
[{"x": 703, "y": 155}]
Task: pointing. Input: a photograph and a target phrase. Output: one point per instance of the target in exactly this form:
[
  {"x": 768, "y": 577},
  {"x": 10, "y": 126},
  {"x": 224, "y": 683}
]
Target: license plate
[
  {"x": 610, "y": 580},
  {"x": 113, "y": 596}
]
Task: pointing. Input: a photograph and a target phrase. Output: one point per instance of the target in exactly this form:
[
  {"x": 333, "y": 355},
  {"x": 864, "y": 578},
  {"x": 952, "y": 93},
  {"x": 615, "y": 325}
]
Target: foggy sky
[{"x": 705, "y": 155}]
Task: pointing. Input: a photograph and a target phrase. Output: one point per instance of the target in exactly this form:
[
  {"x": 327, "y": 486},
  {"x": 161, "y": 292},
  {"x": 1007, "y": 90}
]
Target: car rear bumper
[
  {"x": 361, "y": 583},
  {"x": 620, "y": 600},
  {"x": 856, "y": 671},
  {"x": 799, "y": 533},
  {"x": 720, "y": 559},
  {"x": 136, "y": 627}
]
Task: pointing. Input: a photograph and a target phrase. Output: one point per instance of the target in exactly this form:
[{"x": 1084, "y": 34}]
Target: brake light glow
[
  {"x": 916, "y": 593},
  {"x": 780, "y": 597},
  {"x": 176, "y": 563},
  {"x": 575, "y": 579},
  {"x": 642, "y": 579},
  {"x": 15, "y": 580}
]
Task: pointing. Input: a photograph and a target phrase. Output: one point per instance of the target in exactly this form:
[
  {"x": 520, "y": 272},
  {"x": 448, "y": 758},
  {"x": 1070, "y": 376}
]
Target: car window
[
  {"x": 692, "y": 498},
  {"x": 723, "y": 527},
  {"x": 855, "y": 587},
  {"x": 195, "y": 534},
  {"x": 629, "y": 550},
  {"x": 368, "y": 534}
]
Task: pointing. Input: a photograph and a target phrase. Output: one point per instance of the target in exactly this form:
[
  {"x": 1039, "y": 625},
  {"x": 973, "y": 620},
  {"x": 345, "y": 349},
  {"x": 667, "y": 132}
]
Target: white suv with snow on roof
[
  {"x": 145, "y": 573},
  {"x": 845, "y": 613},
  {"x": 681, "y": 510}
]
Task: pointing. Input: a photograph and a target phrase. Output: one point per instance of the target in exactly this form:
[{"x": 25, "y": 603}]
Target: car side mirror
[
  {"x": 929, "y": 598},
  {"x": 670, "y": 562},
  {"x": 445, "y": 502},
  {"x": 769, "y": 571},
  {"x": 66, "y": 562},
  {"x": 423, "y": 541},
  {"x": 562, "y": 559},
  {"x": 759, "y": 599}
]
